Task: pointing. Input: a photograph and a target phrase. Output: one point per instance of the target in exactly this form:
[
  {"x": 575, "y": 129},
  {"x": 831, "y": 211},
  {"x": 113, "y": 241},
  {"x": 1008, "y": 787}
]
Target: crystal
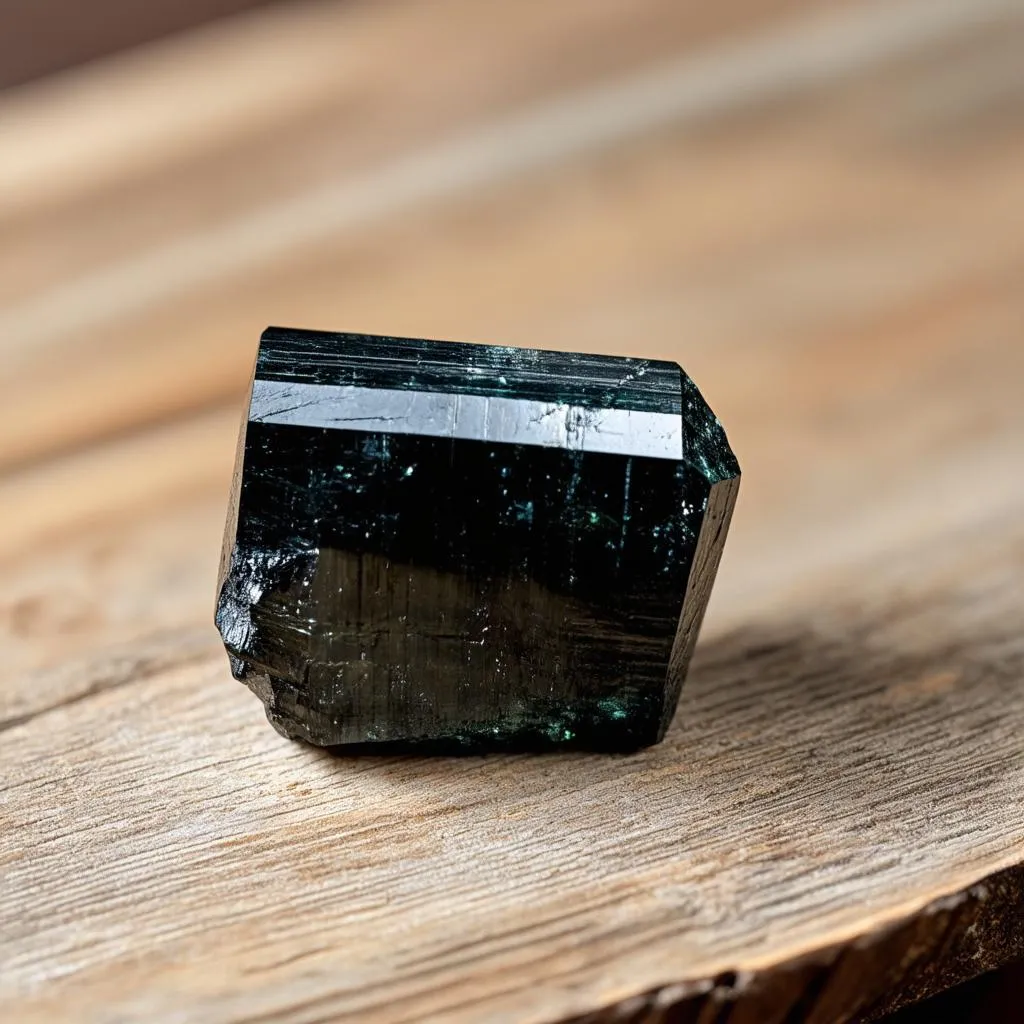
[{"x": 434, "y": 544}]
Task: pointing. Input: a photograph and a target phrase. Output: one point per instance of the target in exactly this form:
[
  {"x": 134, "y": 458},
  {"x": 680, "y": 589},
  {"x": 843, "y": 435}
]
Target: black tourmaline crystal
[{"x": 450, "y": 545}]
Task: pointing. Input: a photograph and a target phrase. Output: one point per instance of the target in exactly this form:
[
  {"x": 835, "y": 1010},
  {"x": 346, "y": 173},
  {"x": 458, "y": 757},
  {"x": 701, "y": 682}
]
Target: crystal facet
[{"x": 469, "y": 545}]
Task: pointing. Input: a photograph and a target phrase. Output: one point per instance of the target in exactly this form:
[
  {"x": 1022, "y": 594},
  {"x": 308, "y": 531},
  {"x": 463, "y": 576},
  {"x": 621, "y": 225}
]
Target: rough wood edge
[{"x": 950, "y": 940}]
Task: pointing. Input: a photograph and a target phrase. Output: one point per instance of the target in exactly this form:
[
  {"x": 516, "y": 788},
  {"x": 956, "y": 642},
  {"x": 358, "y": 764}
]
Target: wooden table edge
[{"x": 950, "y": 940}]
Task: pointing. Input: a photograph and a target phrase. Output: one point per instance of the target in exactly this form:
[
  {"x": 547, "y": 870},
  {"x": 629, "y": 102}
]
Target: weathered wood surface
[{"x": 829, "y": 239}]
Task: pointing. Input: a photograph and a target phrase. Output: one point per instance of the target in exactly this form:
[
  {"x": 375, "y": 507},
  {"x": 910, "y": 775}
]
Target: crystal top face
[
  {"x": 454, "y": 368},
  {"x": 477, "y": 544}
]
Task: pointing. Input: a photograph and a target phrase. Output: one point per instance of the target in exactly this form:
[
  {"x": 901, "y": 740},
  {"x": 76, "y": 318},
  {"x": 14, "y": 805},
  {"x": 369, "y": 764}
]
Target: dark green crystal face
[{"x": 479, "y": 545}]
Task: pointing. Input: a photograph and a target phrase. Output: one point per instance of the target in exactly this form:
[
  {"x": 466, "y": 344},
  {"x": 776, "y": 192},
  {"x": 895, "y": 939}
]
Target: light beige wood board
[{"x": 834, "y": 823}]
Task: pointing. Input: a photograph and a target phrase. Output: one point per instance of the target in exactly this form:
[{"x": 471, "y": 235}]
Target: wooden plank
[
  {"x": 833, "y": 825},
  {"x": 302, "y": 879}
]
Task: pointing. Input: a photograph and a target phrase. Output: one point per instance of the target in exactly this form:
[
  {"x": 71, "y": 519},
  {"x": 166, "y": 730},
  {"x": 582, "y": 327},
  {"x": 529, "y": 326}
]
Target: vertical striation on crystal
[{"x": 470, "y": 545}]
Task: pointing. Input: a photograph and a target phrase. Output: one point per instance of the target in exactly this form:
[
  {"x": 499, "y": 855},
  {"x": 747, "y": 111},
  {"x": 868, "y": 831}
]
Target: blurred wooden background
[
  {"x": 40, "y": 37},
  {"x": 818, "y": 210}
]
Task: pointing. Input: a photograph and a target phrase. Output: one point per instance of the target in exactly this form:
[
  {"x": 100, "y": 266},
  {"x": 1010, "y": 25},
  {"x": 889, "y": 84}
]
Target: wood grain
[{"x": 833, "y": 827}]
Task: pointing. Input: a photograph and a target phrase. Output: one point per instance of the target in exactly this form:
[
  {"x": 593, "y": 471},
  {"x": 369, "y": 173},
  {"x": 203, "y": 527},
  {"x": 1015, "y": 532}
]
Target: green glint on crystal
[{"x": 613, "y": 708}]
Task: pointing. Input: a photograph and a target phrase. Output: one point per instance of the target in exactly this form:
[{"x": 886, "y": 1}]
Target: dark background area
[{"x": 38, "y": 37}]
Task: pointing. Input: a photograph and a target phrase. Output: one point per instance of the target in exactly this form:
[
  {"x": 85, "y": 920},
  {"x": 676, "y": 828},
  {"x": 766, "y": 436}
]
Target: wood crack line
[{"x": 135, "y": 672}]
